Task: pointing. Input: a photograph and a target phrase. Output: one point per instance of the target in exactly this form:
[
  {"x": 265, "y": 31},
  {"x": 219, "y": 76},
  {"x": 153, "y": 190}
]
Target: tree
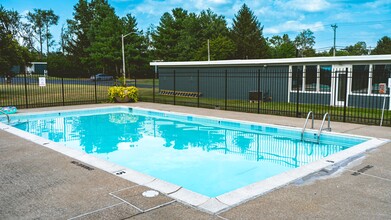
[
  {"x": 37, "y": 25},
  {"x": 360, "y": 48},
  {"x": 383, "y": 46},
  {"x": 221, "y": 48},
  {"x": 48, "y": 19},
  {"x": 282, "y": 47},
  {"x": 11, "y": 53},
  {"x": 212, "y": 25},
  {"x": 247, "y": 35},
  {"x": 136, "y": 46},
  {"x": 105, "y": 37},
  {"x": 190, "y": 38},
  {"x": 304, "y": 42},
  {"x": 10, "y": 21},
  {"x": 166, "y": 36},
  {"x": 76, "y": 37}
]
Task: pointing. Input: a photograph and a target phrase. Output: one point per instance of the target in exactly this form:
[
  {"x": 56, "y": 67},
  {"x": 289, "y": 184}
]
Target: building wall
[
  {"x": 37, "y": 68},
  {"x": 213, "y": 82},
  {"x": 366, "y": 101},
  {"x": 40, "y": 68}
]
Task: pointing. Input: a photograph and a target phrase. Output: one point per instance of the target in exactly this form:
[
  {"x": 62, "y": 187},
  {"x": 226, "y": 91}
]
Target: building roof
[
  {"x": 283, "y": 61},
  {"x": 38, "y": 62}
]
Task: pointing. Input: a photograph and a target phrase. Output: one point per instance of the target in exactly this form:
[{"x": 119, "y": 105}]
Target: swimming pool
[{"x": 201, "y": 157}]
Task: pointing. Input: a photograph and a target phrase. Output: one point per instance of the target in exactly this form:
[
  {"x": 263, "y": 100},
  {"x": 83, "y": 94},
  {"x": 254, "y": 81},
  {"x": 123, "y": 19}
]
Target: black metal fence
[
  {"x": 345, "y": 96},
  {"x": 27, "y": 91}
]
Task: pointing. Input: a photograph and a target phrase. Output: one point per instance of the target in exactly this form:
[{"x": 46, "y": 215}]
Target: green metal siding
[
  {"x": 365, "y": 101},
  {"x": 240, "y": 81}
]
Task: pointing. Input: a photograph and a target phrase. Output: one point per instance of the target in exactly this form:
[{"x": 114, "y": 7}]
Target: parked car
[{"x": 101, "y": 77}]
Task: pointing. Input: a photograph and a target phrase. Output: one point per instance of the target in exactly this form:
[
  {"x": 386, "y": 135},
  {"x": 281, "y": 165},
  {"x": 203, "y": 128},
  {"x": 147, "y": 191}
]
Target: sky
[{"x": 356, "y": 20}]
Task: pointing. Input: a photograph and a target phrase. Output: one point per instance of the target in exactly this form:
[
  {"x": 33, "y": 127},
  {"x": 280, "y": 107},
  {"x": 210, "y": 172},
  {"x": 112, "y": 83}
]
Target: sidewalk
[{"x": 36, "y": 182}]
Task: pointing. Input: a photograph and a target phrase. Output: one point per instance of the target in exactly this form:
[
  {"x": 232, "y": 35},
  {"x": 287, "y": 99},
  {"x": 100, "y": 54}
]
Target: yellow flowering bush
[{"x": 123, "y": 93}]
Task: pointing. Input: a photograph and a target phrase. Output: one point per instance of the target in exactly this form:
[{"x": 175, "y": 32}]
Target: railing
[
  {"x": 8, "y": 117},
  {"x": 310, "y": 113},
  {"x": 321, "y": 126}
]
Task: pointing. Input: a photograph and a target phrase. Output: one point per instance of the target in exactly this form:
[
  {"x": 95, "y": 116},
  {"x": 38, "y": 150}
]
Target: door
[{"x": 341, "y": 85}]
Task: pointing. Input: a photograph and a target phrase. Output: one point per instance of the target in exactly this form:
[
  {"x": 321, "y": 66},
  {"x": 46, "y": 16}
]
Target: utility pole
[
  {"x": 123, "y": 56},
  {"x": 334, "y": 26},
  {"x": 208, "y": 51}
]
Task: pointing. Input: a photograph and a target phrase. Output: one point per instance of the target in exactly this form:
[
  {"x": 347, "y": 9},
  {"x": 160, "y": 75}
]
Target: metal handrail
[
  {"x": 8, "y": 117},
  {"x": 321, "y": 126},
  {"x": 305, "y": 124}
]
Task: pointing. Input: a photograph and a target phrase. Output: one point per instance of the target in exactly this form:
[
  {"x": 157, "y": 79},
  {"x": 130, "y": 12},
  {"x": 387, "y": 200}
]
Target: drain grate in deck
[
  {"x": 82, "y": 165},
  {"x": 120, "y": 172},
  {"x": 362, "y": 170}
]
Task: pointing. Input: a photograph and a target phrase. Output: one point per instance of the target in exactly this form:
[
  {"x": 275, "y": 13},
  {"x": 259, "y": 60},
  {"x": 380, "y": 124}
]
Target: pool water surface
[{"x": 205, "y": 155}]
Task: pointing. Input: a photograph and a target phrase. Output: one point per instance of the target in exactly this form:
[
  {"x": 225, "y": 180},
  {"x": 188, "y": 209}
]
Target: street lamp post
[{"x": 123, "y": 56}]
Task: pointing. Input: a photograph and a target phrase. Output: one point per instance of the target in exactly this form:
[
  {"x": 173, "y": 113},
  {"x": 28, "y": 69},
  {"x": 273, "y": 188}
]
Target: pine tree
[
  {"x": 136, "y": 47},
  {"x": 247, "y": 35},
  {"x": 383, "y": 46},
  {"x": 105, "y": 38},
  {"x": 167, "y": 35},
  {"x": 76, "y": 37}
]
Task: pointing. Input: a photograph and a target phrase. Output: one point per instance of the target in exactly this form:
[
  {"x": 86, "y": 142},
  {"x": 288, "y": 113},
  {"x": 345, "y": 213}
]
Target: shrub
[{"x": 120, "y": 92}]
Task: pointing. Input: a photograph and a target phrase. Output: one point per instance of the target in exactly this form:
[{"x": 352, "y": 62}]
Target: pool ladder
[
  {"x": 8, "y": 117},
  {"x": 310, "y": 113}
]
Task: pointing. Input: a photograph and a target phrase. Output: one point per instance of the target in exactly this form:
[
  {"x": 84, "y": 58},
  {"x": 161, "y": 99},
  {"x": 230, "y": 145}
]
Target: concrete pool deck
[{"x": 37, "y": 182}]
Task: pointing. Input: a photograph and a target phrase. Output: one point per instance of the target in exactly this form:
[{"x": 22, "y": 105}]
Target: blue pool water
[{"x": 204, "y": 155}]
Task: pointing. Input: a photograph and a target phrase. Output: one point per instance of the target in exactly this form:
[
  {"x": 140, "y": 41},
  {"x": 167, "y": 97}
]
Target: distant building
[
  {"x": 34, "y": 68},
  {"x": 354, "y": 81},
  {"x": 37, "y": 68}
]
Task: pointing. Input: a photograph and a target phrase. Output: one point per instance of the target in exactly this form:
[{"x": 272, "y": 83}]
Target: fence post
[
  {"x": 62, "y": 91},
  {"x": 297, "y": 93},
  {"x": 96, "y": 93},
  {"x": 259, "y": 89},
  {"x": 198, "y": 88},
  {"x": 174, "y": 87},
  {"x": 346, "y": 94},
  {"x": 25, "y": 90},
  {"x": 153, "y": 88},
  {"x": 226, "y": 89}
]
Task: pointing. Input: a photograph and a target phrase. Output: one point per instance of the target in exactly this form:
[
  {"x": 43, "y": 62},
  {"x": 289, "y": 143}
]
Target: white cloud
[
  {"x": 305, "y": 5},
  {"x": 377, "y": 4},
  {"x": 294, "y": 26},
  {"x": 342, "y": 16},
  {"x": 154, "y": 7},
  {"x": 377, "y": 26},
  {"x": 218, "y": 1}
]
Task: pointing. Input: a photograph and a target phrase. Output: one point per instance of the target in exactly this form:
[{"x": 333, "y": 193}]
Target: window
[
  {"x": 311, "y": 73},
  {"x": 297, "y": 77},
  {"x": 360, "y": 78},
  {"x": 325, "y": 78},
  {"x": 380, "y": 74}
]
